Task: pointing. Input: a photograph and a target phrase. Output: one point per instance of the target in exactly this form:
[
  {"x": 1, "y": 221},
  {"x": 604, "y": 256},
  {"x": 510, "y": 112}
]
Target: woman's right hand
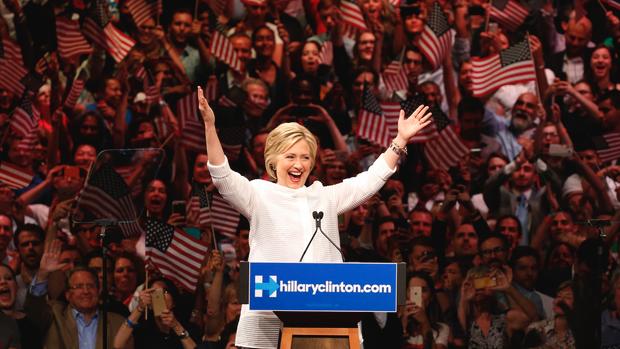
[
  {"x": 145, "y": 299},
  {"x": 205, "y": 109}
]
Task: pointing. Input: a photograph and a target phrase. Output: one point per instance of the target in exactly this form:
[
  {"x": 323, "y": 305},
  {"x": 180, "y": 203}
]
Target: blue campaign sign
[{"x": 323, "y": 286}]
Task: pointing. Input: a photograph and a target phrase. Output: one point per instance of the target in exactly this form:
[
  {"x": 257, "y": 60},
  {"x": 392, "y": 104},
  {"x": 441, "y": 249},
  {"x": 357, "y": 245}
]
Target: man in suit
[
  {"x": 76, "y": 325},
  {"x": 571, "y": 63},
  {"x": 521, "y": 197}
]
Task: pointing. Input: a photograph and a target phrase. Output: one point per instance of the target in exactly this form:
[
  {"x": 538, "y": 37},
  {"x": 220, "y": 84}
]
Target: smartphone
[
  {"x": 493, "y": 27},
  {"x": 415, "y": 295},
  {"x": 178, "y": 206},
  {"x": 560, "y": 150},
  {"x": 72, "y": 172},
  {"x": 159, "y": 303},
  {"x": 484, "y": 282}
]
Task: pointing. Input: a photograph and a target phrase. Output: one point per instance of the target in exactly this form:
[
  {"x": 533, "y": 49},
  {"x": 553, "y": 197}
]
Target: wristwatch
[{"x": 183, "y": 335}]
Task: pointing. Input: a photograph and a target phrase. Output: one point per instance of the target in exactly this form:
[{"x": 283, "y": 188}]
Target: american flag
[
  {"x": 162, "y": 123},
  {"x": 216, "y": 211},
  {"x": 25, "y": 122},
  {"x": 436, "y": 38},
  {"x": 15, "y": 177},
  {"x": 143, "y": 10},
  {"x": 378, "y": 122},
  {"x": 71, "y": 42},
  {"x": 608, "y": 146},
  {"x": 222, "y": 49},
  {"x": 12, "y": 68},
  {"x": 79, "y": 82},
  {"x": 352, "y": 18},
  {"x": 395, "y": 77},
  {"x": 25, "y": 117},
  {"x": 445, "y": 150},
  {"x": 192, "y": 127},
  {"x": 511, "y": 66},
  {"x": 176, "y": 254},
  {"x": 98, "y": 28},
  {"x": 107, "y": 196},
  {"x": 510, "y": 14},
  {"x": 429, "y": 132}
]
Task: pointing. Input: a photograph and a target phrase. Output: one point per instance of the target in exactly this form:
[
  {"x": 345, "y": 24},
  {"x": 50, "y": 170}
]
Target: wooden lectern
[
  {"x": 324, "y": 330},
  {"x": 327, "y": 319}
]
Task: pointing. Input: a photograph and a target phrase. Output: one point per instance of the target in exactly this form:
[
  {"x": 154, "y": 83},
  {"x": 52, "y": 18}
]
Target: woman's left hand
[
  {"x": 168, "y": 319},
  {"x": 409, "y": 127},
  {"x": 419, "y": 314}
]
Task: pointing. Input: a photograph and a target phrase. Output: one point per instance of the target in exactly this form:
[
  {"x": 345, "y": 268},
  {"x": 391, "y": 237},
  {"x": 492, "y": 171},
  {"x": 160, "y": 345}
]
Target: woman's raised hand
[
  {"x": 409, "y": 127},
  {"x": 205, "y": 109}
]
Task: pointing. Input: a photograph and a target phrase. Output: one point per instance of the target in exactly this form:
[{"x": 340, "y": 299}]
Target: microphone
[{"x": 318, "y": 216}]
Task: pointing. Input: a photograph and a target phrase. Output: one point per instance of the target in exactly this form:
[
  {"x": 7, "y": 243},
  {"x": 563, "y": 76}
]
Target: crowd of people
[{"x": 513, "y": 242}]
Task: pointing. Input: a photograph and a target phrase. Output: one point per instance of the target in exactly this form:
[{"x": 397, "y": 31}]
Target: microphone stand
[
  {"x": 104, "y": 224},
  {"x": 318, "y": 216}
]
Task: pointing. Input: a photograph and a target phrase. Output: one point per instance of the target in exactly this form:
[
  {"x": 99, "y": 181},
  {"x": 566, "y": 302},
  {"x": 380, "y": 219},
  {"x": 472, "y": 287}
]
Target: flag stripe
[
  {"x": 71, "y": 42},
  {"x": 14, "y": 176}
]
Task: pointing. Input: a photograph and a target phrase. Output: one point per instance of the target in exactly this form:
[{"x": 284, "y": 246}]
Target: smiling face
[
  {"x": 294, "y": 165},
  {"x": 600, "y": 62},
  {"x": 366, "y": 46},
  {"x": 155, "y": 197},
  {"x": 310, "y": 57},
  {"x": 8, "y": 288}
]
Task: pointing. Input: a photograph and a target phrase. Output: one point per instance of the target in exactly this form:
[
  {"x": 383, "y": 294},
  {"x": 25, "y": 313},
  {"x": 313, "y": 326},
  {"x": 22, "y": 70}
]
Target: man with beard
[
  {"x": 521, "y": 125},
  {"x": 28, "y": 240},
  {"x": 522, "y": 197}
]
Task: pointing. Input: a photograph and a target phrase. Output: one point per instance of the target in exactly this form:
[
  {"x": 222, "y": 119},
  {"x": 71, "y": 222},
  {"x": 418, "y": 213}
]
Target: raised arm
[
  {"x": 407, "y": 128},
  {"x": 214, "y": 147}
]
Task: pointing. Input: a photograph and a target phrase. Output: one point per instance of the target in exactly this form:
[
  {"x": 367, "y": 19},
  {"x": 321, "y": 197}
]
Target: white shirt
[{"x": 281, "y": 225}]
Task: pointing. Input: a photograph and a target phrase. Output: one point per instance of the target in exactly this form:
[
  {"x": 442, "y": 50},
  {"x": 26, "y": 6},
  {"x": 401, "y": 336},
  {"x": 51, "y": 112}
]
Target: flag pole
[
  {"x": 195, "y": 9},
  {"x": 529, "y": 47},
  {"x": 603, "y": 6},
  {"x": 146, "y": 286},
  {"x": 487, "y": 17}
]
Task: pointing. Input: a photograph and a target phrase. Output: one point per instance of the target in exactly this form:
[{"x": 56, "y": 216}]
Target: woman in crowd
[
  {"x": 161, "y": 331},
  {"x": 421, "y": 322},
  {"x": 487, "y": 323},
  {"x": 30, "y": 335},
  {"x": 601, "y": 76},
  {"x": 290, "y": 154}
]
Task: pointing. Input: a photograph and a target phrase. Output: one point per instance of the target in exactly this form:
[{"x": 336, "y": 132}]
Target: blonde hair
[{"x": 282, "y": 138}]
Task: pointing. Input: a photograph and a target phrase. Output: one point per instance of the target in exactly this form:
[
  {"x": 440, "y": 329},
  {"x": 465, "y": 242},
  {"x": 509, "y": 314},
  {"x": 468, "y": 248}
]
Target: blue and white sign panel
[{"x": 323, "y": 286}]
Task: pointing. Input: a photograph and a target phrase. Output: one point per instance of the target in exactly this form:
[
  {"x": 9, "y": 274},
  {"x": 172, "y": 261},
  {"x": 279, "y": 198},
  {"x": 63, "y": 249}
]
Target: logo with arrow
[{"x": 271, "y": 286}]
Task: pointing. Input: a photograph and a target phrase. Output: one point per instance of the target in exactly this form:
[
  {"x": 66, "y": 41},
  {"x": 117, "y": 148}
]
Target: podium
[{"x": 320, "y": 304}]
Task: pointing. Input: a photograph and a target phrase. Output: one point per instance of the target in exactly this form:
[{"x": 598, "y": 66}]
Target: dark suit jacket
[
  {"x": 557, "y": 63},
  {"x": 55, "y": 319}
]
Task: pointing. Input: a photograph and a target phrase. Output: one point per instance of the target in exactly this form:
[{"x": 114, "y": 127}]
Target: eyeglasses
[
  {"x": 492, "y": 251},
  {"x": 85, "y": 287},
  {"x": 123, "y": 269}
]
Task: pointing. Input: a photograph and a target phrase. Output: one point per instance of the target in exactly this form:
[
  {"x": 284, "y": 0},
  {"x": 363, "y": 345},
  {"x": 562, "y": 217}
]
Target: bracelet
[
  {"x": 398, "y": 150},
  {"x": 130, "y": 323},
  {"x": 183, "y": 334}
]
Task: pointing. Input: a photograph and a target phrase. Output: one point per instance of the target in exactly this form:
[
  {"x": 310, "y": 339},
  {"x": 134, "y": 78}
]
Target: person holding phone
[
  {"x": 273, "y": 208},
  {"x": 421, "y": 315},
  {"x": 161, "y": 328},
  {"x": 487, "y": 323}
]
